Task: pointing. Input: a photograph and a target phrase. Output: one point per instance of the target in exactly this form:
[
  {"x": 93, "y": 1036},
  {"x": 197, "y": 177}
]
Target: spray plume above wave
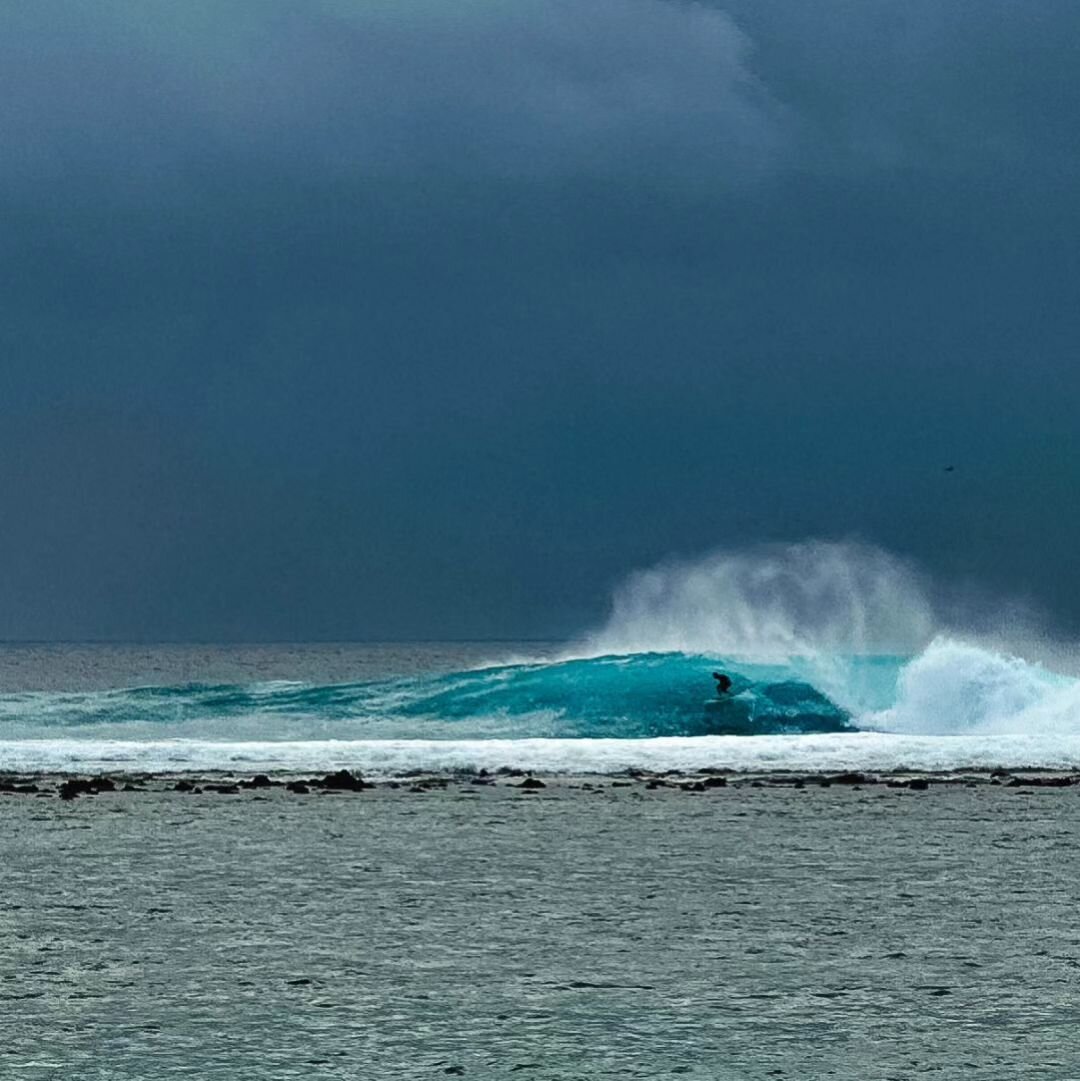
[
  {"x": 773, "y": 601},
  {"x": 834, "y": 642}
]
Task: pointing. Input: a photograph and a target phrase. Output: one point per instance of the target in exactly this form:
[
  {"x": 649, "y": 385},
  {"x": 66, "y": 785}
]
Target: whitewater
[{"x": 840, "y": 656}]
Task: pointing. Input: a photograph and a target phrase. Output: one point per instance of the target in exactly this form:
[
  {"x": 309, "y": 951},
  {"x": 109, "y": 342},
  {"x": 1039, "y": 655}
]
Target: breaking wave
[{"x": 838, "y": 655}]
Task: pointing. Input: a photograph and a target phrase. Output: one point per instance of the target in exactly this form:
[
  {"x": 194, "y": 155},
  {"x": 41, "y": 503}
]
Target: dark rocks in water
[
  {"x": 655, "y": 782},
  {"x": 74, "y": 787},
  {"x": 1041, "y": 782},
  {"x": 510, "y": 771},
  {"x": 224, "y": 789},
  {"x": 260, "y": 780},
  {"x": 482, "y": 778},
  {"x": 622, "y": 784},
  {"x": 715, "y": 782},
  {"x": 918, "y": 784},
  {"x": 342, "y": 781},
  {"x": 532, "y": 782},
  {"x": 183, "y": 786},
  {"x": 19, "y": 789},
  {"x": 851, "y": 778},
  {"x": 298, "y": 787},
  {"x": 692, "y": 786}
]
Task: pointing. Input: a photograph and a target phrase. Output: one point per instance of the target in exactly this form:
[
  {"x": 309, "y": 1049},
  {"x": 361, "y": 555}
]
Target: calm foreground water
[{"x": 741, "y": 933}]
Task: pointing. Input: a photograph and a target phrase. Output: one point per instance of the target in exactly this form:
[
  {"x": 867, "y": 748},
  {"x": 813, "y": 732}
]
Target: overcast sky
[{"x": 397, "y": 318}]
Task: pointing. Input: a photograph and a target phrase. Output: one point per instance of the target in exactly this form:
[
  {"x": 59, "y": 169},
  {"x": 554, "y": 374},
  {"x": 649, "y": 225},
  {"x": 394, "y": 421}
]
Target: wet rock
[
  {"x": 532, "y": 782},
  {"x": 183, "y": 786},
  {"x": 657, "y": 783},
  {"x": 715, "y": 782},
  {"x": 260, "y": 780},
  {"x": 85, "y": 786},
  {"x": 851, "y": 778},
  {"x": 18, "y": 789},
  {"x": 510, "y": 771},
  {"x": 342, "y": 781},
  {"x": 224, "y": 789},
  {"x": 1042, "y": 782},
  {"x": 482, "y": 780},
  {"x": 298, "y": 787},
  {"x": 918, "y": 784},
  {"x": 75, "y": 787}
]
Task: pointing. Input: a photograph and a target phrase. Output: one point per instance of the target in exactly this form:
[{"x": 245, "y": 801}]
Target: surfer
[{"x": 723, "y": 683}]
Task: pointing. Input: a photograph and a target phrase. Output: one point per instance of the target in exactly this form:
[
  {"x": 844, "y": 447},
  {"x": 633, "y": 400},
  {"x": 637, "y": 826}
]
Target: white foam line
[{"x": 840, "y": 751}]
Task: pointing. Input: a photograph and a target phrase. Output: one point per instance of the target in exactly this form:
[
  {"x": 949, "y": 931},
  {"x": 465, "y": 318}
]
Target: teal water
[
  {"x": 390, "y": 707},
  {"x": 621, "y": 697}
]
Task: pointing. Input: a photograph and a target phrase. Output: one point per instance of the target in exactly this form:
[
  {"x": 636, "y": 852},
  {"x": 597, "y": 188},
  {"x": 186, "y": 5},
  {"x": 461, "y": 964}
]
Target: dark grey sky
[{"x": 378, "y": 318}]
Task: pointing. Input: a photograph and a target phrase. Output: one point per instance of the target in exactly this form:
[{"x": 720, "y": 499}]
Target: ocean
[
  {"x": 388, "y": 708},
  {"x": 835, "y": 656}
]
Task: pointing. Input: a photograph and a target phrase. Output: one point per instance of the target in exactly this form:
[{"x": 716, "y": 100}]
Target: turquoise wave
[{"x": 638, "y": 696}]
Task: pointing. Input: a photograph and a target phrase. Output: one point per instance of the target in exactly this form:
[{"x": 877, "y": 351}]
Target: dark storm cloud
[
  {"x": 536, "y": 89},
  {"x": 360, "y": 319}
]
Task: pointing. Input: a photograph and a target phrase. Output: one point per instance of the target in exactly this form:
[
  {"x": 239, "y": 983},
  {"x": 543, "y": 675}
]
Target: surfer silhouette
[{"x": 723, "y": 683}]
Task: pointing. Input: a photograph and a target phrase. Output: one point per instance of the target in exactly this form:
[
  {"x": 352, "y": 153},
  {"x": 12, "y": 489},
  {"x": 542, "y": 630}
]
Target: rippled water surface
[{"x": 577, "y": 933}]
